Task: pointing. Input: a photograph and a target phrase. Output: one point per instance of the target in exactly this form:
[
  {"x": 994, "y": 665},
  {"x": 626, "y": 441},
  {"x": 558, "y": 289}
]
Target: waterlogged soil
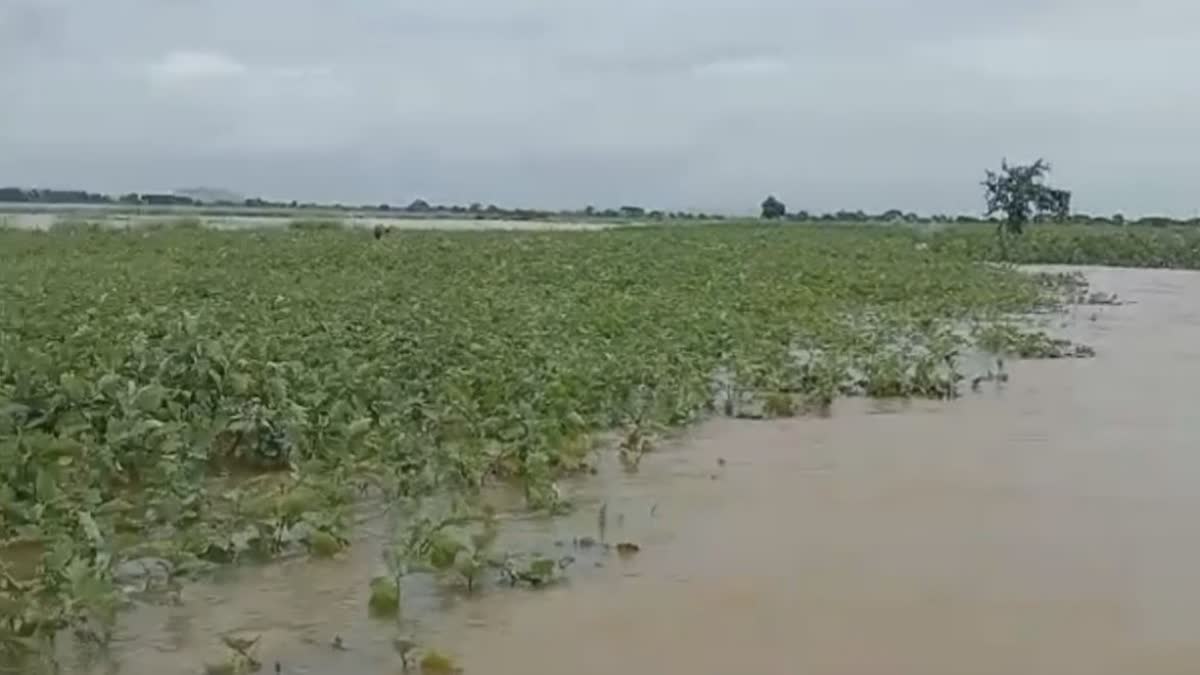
[{"x": 1046, "y": 524}]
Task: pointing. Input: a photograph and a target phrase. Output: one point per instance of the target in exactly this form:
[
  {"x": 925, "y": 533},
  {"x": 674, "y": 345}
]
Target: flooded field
[
  {"x": 1043, "y": 525},
  {"x": 43, "y": 220}
]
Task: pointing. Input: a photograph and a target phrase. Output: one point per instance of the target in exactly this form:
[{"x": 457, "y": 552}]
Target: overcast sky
[{"x": 707, "y": 104}]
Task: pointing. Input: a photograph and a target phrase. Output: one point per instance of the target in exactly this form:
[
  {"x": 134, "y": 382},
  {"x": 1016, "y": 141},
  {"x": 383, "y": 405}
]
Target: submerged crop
[{"x": 202, "y": 397}]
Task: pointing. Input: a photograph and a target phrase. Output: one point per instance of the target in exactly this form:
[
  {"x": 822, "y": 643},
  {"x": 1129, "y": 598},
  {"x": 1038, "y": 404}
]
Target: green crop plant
[
  {"x": 779, "y": 404},
  {"x": 452, "y": 541}
]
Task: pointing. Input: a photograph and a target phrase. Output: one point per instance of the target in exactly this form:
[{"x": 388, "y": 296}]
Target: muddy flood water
[{"x": 1047, "y": 525}]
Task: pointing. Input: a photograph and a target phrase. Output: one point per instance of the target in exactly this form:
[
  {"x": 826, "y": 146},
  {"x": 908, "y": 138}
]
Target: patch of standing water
[{"x": 311, "y": 615}]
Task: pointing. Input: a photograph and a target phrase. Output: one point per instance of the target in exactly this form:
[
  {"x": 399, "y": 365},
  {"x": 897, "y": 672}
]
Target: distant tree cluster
[
  {"x": 160, "y": 200},
  {"x": 1019, "y": 192},
  {"x": 42, "y": 196},
  {"x": 773, "y": 209},
  {"x": 36, "y": 196}
]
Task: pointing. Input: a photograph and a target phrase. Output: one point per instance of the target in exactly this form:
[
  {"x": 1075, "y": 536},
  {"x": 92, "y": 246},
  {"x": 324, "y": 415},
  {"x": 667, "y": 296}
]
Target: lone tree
[
  {"x": 1019, "y": 193},
  {"x": 773, "y": 209}
]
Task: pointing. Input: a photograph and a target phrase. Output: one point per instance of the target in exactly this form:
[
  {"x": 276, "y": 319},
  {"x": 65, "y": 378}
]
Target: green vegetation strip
[
  {"x": 203, "y": 397},
  {"x": 1175, "y": 247}
]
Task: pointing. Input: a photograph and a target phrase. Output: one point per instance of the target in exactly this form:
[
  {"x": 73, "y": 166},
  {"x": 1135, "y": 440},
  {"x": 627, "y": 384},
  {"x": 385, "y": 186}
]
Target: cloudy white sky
[{"x": 708, "y": 104}]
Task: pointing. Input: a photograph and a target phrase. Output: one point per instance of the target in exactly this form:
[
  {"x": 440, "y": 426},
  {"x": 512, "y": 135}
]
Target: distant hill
[{"x": 210, "y": 195}]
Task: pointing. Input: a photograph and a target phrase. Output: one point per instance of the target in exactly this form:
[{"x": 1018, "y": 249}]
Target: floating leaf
[
  {"x": 444, "y": 547},
  {"x": 323, "y": 544},
  {"x": 385, "y": 596},
  {"x": 436, "y": 663},
  {"x": 627, "y": 548}
]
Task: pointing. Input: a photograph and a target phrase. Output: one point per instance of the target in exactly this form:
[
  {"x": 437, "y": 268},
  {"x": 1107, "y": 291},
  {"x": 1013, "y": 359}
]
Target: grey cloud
[{"x": 867, "y": 104}]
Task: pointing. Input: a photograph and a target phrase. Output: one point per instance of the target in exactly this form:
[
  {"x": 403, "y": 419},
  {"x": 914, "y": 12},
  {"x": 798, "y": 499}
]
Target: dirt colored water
[{"x": 1047, "y": 525}]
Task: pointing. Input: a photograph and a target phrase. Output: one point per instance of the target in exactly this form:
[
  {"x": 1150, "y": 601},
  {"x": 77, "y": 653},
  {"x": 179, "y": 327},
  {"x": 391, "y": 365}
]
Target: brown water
[{"x": 1050, "y": 525}]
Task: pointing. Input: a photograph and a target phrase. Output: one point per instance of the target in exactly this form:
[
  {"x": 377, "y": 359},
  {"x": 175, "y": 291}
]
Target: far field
[{"x": 241, "y": 219}]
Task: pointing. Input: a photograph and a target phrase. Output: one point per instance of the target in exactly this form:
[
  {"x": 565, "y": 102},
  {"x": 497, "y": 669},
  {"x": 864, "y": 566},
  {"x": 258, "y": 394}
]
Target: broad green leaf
[
  {"x": 359, "y": 427},
  {"x": 149, "y": 398},
  {"x": 75, "y": 388}
]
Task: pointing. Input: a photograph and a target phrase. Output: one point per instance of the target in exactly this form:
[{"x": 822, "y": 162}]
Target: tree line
[
  {"x": 52, "y": 196},
  {"x": 417, "y": 207},
  {"x": 1017, "y": 192}
]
